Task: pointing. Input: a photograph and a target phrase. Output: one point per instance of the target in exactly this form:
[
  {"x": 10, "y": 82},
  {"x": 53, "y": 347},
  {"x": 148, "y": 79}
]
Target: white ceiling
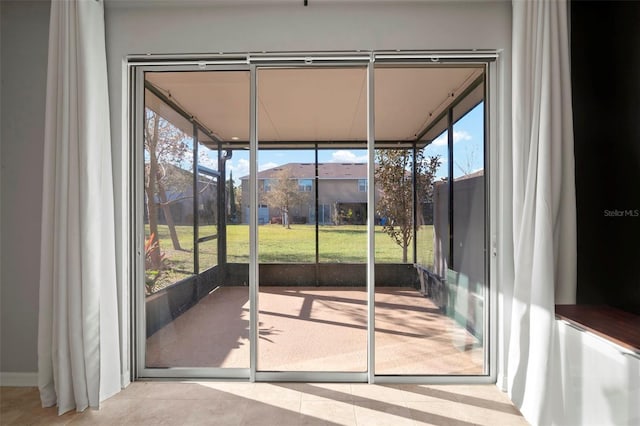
[{"x": 313, "y": 104}]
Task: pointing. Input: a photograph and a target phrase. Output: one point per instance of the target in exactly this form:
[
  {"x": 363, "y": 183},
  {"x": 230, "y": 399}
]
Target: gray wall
[
  {"x": 136, "y": 27},
  {"x": 469, "y": 230},
  {"x": 24, "y": 37},
  {"x": 464, "y": 297}
]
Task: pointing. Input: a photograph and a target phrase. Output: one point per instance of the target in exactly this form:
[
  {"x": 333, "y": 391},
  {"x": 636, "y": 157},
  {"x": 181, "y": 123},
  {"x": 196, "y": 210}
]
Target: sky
[{"x": 468, "y": 142}]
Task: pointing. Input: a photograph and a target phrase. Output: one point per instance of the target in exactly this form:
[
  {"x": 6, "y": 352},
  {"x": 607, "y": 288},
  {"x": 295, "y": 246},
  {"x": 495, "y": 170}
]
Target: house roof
[{"x": 325, "y": 171}]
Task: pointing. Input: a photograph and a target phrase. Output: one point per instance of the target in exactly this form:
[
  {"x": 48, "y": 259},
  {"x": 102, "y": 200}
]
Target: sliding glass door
[
  {"x": 196, "y": 250},
  {"x": 304, "y": 219},
  {"x": 431, "y": 242},
  {"x": 312, "y": 310}
]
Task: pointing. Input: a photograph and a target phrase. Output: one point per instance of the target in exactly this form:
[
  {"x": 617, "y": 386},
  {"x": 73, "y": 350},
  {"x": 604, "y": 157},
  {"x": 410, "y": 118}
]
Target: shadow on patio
[{"x": 317, "y": 329}]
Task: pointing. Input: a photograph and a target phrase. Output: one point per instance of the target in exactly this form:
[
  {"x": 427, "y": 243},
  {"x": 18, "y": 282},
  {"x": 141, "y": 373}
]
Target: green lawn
[{"x": 276, "y": 244}]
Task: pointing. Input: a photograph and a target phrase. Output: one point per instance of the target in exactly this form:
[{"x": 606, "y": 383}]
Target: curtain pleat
[
  {"x": 544, "y": 216},
  {"x": 78, "y": 345}
]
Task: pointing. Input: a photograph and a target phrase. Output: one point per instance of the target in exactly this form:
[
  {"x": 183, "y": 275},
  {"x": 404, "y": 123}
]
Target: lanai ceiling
[{"x": 316, "y": 104}]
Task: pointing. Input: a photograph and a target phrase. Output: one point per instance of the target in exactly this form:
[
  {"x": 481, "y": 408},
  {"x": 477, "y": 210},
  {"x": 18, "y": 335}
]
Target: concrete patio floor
[{"x": 318, "y": 329}]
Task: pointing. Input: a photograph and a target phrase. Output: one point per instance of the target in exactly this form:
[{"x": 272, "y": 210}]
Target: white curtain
[
  {"x": 544, "y": 217},
  {"x": 78, "y": 344}
]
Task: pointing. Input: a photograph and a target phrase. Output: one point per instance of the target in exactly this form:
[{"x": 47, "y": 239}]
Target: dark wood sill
[{"x": 615, "y": 325}]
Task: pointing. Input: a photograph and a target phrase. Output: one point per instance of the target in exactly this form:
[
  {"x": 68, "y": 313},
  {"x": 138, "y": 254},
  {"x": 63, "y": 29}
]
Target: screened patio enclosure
[{"x": 268, "y": 252}]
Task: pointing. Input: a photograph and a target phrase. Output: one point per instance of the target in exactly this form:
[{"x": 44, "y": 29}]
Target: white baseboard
[
  {"x": 501, "y": 382},
  {"x": 18, "y": 379},
  {"x": 125, "y": 380}
]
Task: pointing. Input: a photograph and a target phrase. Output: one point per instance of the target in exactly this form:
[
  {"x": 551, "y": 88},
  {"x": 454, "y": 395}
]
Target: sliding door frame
[
  {"x": 137, "y": 289},
  {"x": 308, "y": 62},
  {"x": 251, "y": 63}
]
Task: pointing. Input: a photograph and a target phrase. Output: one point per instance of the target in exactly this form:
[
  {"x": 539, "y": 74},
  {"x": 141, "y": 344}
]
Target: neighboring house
[
  {"x": 342, "y": 193},
  {"x": 178, "y": 186}
]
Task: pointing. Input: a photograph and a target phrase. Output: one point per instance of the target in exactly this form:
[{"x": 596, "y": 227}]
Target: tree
[
  {"x": 467, "y": 167},
  {"x": 237, "y": 190},
  {"x": 164, "y": 144},
  {"x": 284, "y": 194},
  {"x": 394, "y": 168},
  {"x": 233, "y": 208}
]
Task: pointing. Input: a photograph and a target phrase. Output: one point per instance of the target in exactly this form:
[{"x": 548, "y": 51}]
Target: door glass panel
[
  {"x": 168, "y": 204},
  {"x": 208, "y": 207},
  {"x": 418, "y": 330},
  {"x": 466, "y": 273},
  {"x": 197, "y": 301},
  {"x": 312, "y": 215}
]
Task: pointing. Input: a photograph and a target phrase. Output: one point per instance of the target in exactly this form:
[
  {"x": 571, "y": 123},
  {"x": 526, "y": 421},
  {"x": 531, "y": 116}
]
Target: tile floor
[{"x": 278, "y": 404}]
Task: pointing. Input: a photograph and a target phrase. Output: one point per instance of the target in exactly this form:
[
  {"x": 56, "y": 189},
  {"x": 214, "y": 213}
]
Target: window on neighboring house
[
  {"x": 266, "y": 185},
  {"x": 362, "y": 185},
  {"x": 305, "y": 185}
]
